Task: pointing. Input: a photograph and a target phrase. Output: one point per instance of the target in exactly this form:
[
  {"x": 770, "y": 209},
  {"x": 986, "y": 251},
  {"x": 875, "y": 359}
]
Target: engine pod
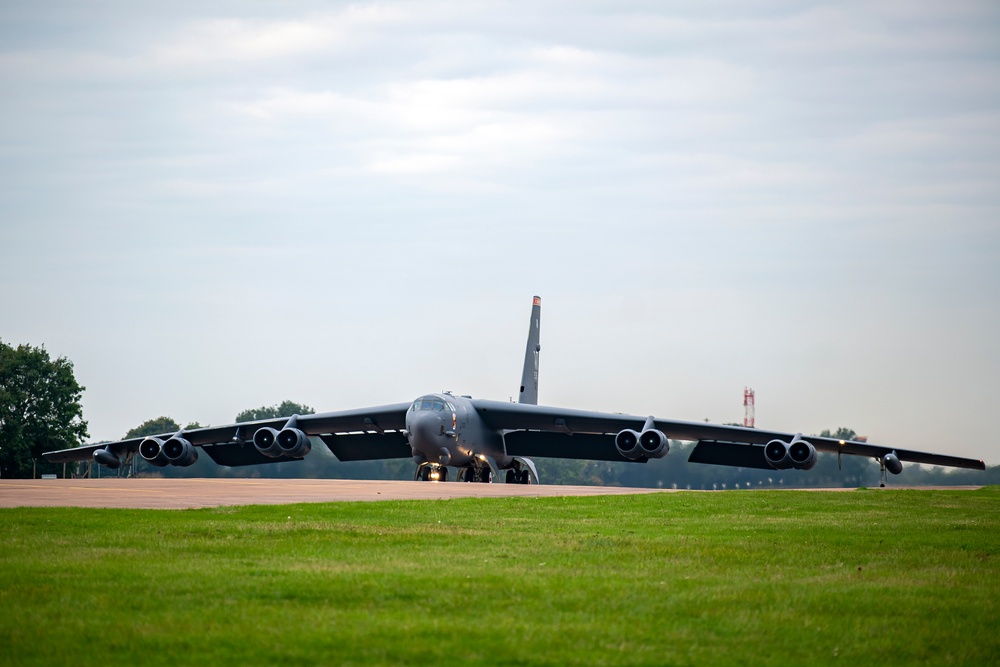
[
  {"x": 627, "y": 443},
  {"x": 179, "y": 452},
  {"x": 293, "y": 443},
  {"x": 776, "y": 455},
  {"x": 654, "y": 444},
  {"x": 802, "y": 454},
  {"x": 151, "y": 450}
]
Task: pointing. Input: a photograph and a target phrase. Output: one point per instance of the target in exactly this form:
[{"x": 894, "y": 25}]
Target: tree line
[{"x": 40, "y": 411}]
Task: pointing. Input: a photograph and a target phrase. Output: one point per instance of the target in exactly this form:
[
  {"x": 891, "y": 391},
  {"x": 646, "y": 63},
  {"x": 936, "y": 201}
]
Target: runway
[{"x": 148, "y": 493}]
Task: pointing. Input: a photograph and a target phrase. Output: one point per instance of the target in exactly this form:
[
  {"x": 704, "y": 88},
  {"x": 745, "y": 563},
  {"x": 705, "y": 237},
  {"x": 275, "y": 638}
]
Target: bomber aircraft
[{"x": 481, "y": 438}]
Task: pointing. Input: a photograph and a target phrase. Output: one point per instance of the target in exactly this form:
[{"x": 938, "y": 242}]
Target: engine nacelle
[
  {"x": 293, "y": 443},
  {"x": 654, "y": 443},
  {"x": 107, "y": 458},
  {"x": 627, "y": 443},
  {"x": 803, "y": 454},
  {"x": 151, "y": 450},
  {"x": 892, "y": 463},
  {"x": 266, "y": 442},
  {"x": 782, "y": 455},
  {"x": 179, "y": 452},
  {"x": 776, "y": 455}
]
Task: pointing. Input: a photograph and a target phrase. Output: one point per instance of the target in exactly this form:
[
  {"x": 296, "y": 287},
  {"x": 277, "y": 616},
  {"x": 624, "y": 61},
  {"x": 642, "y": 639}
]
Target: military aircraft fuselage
[{"x": 446, "y": 430}]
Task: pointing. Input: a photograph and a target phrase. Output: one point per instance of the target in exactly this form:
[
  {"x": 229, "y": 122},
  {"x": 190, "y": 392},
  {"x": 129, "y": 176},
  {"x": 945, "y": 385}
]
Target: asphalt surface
[{"x": 144, "y": 493}]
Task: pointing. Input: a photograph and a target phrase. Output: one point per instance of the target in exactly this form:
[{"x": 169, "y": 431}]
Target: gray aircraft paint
[
  {"x": 529, "y": 376},
  {"x": 480, "y": 436}
]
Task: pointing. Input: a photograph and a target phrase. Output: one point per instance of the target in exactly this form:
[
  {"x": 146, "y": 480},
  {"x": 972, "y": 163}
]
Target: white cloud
[
  {"x": 720, "y": 151},
  {"x": 284, "y": 104},
  {"x": 218, "y": 40},
  {"x": 414, "y": 163}
]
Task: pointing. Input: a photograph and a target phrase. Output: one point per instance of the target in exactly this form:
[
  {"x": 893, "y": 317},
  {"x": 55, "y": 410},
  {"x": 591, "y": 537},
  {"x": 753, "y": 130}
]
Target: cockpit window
[{"x": 429, "y": 403}]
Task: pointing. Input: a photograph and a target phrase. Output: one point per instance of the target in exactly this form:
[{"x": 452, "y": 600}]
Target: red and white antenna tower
[{"x": 748, "y": 407}]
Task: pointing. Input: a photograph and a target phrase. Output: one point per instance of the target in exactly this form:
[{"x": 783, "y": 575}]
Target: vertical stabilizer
[{"x": 529, "y": 377}]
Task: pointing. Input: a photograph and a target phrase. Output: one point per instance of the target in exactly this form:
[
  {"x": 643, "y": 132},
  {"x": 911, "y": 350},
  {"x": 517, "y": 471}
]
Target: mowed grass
[{"x": 754, "y": 578}]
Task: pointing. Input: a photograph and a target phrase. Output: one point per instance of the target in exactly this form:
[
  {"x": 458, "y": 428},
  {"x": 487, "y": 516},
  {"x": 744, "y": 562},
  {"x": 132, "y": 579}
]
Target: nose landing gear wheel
[{"x": 431, "y": 473}]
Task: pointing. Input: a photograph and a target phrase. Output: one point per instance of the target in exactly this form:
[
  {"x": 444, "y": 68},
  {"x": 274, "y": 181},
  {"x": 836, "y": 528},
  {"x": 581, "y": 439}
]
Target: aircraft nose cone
[{"x": 424, "y": 428}]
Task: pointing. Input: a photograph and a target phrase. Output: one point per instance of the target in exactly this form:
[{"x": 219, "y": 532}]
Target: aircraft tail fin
[{"x": 529, "y": 377}]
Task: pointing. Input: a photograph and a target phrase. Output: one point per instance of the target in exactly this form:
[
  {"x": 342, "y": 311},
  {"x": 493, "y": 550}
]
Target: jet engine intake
[
  {"x": 892, "y": 463},
  {"x": 776, "y": 455},
  {"x": 266, "y": 442},
  {"x": 654, "y": 443},
  {"x": 627, "y": 443},
  {"x": 151, "y": 450},
  {"x": 803, "y": 455},
  {"x": 798, "y": 454},
  {"x": 179, "y": 452},
  {"x": 292, "y": 443}
]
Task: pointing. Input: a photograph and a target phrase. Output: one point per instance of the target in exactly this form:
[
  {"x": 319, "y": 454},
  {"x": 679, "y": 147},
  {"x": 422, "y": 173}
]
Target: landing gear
[
  {"x": 430, "y": 472},
  {"x": 518, "y": 477},
  {"x": 884, "y": 476},
  {"x": 484, "y": 475}
]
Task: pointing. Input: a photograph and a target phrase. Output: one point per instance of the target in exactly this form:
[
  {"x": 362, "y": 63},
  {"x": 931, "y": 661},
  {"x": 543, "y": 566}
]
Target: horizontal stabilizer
[{"x": 735, "y": 454}]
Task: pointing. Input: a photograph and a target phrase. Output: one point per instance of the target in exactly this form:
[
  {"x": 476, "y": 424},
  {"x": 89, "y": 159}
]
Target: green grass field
[{"x": 756, "y": 578}]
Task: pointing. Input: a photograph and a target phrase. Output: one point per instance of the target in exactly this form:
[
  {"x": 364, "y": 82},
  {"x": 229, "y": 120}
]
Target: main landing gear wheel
[
  {"x": 484, "y": 475},
  {"x": 517, "y": 477}
]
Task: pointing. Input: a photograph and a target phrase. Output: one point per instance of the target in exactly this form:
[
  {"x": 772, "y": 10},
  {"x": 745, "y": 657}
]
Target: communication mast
[{"x": 748, "y": 409}]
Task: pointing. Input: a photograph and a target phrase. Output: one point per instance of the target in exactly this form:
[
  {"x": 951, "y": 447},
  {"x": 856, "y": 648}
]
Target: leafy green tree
[
  {"x": 39, "y": 409},
  {"x": 157, "y": 426},
  {"x": 164, "y": 426},
  {"x": 841, "y": 433},
  {"x": 285, "y": 409}
]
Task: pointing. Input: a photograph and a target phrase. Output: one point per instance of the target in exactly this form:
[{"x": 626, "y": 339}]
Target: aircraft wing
[
  {"x": 352, "y": 435},
  {"x": 535, "y": 430}
]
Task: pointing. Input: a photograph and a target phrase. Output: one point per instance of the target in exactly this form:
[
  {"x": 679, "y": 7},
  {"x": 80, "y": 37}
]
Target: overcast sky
[{"x": 212, "y": 206}]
